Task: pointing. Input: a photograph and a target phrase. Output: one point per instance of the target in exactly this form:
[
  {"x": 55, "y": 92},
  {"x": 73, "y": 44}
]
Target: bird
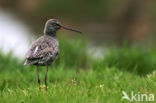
[{"x": 44, "y": 51}]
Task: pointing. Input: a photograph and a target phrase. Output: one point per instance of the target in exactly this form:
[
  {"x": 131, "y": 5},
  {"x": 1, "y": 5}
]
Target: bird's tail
[{"x": 27, "y": 63}]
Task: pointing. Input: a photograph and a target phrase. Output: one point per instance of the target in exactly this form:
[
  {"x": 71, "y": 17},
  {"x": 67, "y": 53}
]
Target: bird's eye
[{"x": 55, "y": 24}]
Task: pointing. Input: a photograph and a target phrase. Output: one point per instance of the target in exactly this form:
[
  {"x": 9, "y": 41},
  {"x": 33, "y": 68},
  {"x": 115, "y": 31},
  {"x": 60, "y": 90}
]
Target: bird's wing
[
  {"x": 42, "y": 48},
  {"x": 49, "y": 51},
  {"x": 34, "y": 47}
]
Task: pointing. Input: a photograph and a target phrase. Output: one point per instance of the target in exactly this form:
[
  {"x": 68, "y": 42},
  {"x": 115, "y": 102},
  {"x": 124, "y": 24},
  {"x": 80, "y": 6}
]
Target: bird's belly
[{"x": 47, "y": 61}]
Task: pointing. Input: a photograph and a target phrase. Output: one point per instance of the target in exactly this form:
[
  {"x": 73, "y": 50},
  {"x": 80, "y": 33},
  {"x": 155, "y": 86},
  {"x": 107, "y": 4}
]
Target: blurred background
[
  {"x": 116, "y": 51},
  {"x": 118, "y": 36},
  {"x": 102, "y": 21}
]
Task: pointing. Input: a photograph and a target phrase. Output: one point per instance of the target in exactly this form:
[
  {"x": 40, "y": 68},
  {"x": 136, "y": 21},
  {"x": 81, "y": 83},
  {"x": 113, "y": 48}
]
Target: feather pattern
[{"x": 43, "y": 51}]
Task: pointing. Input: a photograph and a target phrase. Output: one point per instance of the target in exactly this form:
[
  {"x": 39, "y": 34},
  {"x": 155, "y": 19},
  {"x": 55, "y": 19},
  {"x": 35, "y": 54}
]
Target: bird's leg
[
  {"x": 38, "y": 76},
  {"x": 46, "y": 78}
]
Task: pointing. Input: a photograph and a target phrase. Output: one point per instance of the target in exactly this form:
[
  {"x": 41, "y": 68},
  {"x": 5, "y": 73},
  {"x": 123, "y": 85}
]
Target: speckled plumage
[{"x": 43, "y": 51}]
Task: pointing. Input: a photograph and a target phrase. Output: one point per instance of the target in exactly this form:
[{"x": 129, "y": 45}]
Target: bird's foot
[{"x": 44, "y": 87}]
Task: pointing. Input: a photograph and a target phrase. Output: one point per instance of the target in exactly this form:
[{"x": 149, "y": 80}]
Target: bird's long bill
[{"x": 67, "y": 28}]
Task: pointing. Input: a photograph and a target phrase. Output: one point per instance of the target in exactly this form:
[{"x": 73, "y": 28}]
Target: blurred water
[{"x": 14, "y": 35}]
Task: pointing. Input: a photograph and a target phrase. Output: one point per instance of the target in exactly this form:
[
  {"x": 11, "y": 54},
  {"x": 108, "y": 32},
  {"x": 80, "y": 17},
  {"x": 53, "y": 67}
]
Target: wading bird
[{"x": 45, "y": 49}]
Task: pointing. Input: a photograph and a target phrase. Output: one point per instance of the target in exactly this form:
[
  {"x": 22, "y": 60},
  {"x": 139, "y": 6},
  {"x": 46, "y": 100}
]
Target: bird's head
[{"x": 52, "y": 25}]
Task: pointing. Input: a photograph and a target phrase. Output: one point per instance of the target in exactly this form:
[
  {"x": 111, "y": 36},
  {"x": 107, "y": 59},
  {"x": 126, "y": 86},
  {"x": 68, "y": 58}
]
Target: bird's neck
[
  {"x": 53, "y": 34},
  {"x": 50, "y": 32}
]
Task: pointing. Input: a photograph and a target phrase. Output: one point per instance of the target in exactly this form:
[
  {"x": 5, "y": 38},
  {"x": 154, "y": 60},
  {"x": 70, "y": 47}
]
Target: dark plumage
[{"x": 44, "y": 50}]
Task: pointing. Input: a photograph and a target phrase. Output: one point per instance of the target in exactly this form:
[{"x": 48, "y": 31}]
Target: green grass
[
  {"x": 77, "y": 78},
  {"x": 133, "y": 59}
]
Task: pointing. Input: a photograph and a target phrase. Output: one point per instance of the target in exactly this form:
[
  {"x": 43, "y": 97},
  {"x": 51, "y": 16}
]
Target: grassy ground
[{"x": 77, "y": 78}]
